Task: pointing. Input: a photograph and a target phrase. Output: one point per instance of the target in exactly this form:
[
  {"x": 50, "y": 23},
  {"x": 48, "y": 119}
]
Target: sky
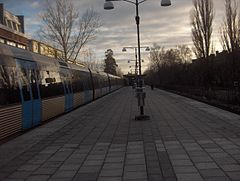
[{"x": 165, "y": 26}]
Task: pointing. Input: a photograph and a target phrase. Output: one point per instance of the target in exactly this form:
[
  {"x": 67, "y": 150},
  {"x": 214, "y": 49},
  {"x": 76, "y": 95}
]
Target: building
[
  {"x": 12, "y": 33},
  {"x": 12, "y": 29}
]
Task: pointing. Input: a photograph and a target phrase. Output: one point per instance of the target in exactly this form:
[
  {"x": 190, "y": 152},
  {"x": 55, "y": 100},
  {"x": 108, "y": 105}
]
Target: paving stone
[
  {"x": 110, "y": 166},
  {"x": 179, "y": 157},
  {"x": 201, "y": 159},
  {"x": 93, "y": 162},
  {"x": 170, "y": 179},
  {"x": 64, "y": 174},
  {"x": 134, "y": 175},
  {"x": 28, "y": 167},
  {"x": 114, "y": 159},
  {"x": 234, "y": 175},
  {"x": 20, "y": 175},
  {"x": 85, "y": 177},
  {"x": 38, "y": 178},
  {"x": 109, "y": 179},
  {"x": 212, "y": 173},
  {"x": 50, "y": 164},
  {"x": 89, "y": 169},
  {"x": 156, "y": 177},
  {"x": 208, "y": 165},
  {"x": 217, "y": 179},
  {"x": 182, "y": 162},
  {"x": 135, "y": 156},
  {"x": 135, "y": 168},
  {"x": 231, "y": 168},
  {"x": 44, "y": 171},
  {"x": 96, "y": 157},
  {"x": 225, "y": 161},
  {"x": 135, "y": 161},
  {"x": 69, "y": 167},
  {"x": 189, "y": 177},
  {"x": 13, "y": 179},
  {"x": 185, "y": 169},
  {"x": 112, "y": 173}
]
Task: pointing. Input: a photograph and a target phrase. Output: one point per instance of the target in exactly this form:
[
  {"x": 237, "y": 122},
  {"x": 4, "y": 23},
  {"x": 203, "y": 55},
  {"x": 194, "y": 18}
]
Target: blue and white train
[{"x": 35, "y": 88}]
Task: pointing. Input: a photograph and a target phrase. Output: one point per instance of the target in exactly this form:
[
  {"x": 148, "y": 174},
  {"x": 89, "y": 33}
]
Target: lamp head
[
  {"x": 108, "y": 5},
  {"x": 124, "y": 50},
  {"x": 147, "y": 49},
  {"x": 166, "y": 3}
]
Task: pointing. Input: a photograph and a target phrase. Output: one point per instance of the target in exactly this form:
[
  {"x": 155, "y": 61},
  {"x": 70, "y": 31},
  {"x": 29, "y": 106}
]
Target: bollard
[{"x": 141, "y": 95}]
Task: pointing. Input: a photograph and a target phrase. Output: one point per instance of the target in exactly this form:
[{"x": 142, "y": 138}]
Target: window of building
[
  {"x": 11, "y": 43},
  {"x": 6, "y": 22},
  {"x": 2, "y": 40},
  {"x": 21, "y": 46},
  {"x": 14, "y": 26},
  {"x": 19, "y": 28},
  {"x": 10, "y": 24}
]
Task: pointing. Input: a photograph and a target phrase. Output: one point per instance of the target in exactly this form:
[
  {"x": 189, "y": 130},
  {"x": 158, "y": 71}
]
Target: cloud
[
  {"x": 35, "y": 4},
  {"x": 166, "y": 26}
]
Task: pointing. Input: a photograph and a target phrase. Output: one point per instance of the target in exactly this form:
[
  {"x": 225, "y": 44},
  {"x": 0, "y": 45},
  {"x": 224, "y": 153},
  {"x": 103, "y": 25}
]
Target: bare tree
[
  {"x": 201, "y": 21},
  {"x": 89, "y": 59},
  {"x": 185, "y": 53},
  {"x": 156, "y": 57},
  {"x": 230, "y": 30},
  {"x": 66, "y": 30}
]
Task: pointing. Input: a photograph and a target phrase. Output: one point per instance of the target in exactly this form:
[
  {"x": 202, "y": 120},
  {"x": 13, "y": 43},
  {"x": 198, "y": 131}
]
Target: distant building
[
  {"x": 12, "y": 33},
  {"x": 12, "y": 29}
]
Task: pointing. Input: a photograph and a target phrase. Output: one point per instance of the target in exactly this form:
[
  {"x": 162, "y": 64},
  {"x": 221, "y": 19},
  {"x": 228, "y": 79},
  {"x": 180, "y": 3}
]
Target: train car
[
  {"x": 35, "y": 88},
  {"x": 115, "y": 82}
]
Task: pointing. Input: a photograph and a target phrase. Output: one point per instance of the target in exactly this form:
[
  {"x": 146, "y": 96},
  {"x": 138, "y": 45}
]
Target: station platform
[{"x": 184, "y": 140}]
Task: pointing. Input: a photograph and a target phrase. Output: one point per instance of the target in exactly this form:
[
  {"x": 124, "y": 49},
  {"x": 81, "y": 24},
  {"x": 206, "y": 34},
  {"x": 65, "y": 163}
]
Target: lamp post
[
  {"x": 136, "y": 57},
  {"x": 136, "y": 66},
  {"x": 108, "y": 5}
]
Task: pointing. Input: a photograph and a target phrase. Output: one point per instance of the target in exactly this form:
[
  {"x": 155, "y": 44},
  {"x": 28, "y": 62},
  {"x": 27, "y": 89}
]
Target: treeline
[
  {"x": 216, "y": 79},
  {"x": 210, "y": 76}
]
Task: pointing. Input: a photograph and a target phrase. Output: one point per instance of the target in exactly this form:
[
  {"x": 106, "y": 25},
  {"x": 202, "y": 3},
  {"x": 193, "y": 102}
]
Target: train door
[
  {"x": 28, "y": 77},
  {"x": 67, "y": 86}
]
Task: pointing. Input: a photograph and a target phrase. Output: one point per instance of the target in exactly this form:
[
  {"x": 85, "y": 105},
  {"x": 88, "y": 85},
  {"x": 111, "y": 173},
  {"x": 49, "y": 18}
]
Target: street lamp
[
  {"x": 108, "y": 5},
  {"x": 136, "y": 57}
]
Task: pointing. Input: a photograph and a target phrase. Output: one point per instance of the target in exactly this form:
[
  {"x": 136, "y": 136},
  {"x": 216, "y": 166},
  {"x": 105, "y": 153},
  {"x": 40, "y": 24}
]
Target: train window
[
  {"x": 87, "y": 83},
  {"x": 97, "y": 82},
  {"x": 9, "y": 90},
  {"x": 63, "y": 64},
  {"x": 81, "y": 81},
  {"x": 76, "y": 81},
  {"x": 50, "y": 80},
  {"x": 50, "y": 84}
]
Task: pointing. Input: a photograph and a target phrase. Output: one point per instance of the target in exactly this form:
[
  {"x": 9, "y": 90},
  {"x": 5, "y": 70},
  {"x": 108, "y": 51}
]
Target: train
[{"x": 35, "y": 88}]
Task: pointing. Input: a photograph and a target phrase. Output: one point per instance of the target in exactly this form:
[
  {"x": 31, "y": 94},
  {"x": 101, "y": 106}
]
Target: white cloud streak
[{"x": 168, "y": 26}]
